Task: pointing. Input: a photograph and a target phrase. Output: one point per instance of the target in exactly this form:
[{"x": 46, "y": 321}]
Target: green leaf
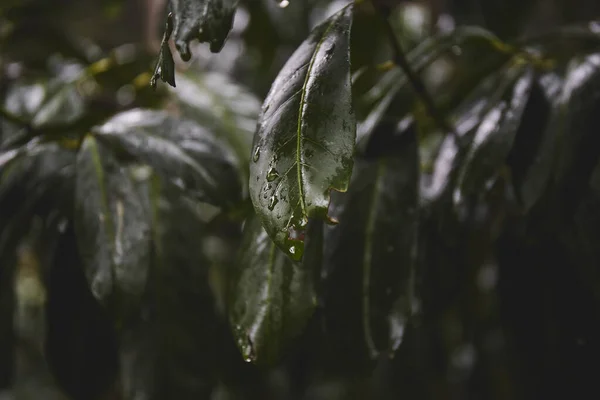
[
  {"x": 528, "y": 165},
  {"x": 370, "y": 257},
  {"x": 304, "y": 143},
  {"x": 466, "y": 118},
  {"x": 185, "y": 331},
  {"x": 495, "y": 135},
  {"x": 179, "y": 150},
  {"x": 226, "y": 108},
  {"x": 205, "y": 20},
  {"x": 394, "y": 86},
  {"x": 272, "y": 297},
  {"x": 113, "y": 229},
  {"x": 165, "y": 66}
]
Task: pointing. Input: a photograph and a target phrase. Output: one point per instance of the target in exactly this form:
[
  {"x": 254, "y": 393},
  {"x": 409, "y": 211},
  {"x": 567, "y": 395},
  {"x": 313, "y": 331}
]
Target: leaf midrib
[{"x": 299, "y": 135}]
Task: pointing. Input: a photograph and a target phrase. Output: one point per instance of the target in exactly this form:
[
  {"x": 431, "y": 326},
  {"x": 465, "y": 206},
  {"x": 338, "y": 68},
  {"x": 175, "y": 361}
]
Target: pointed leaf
[
  {"x": 495, "y": 135},
  {"x": 205, "y": 20},
  {"x": 177, "y": 149},
  {"x": 304, "y": 144},
  {"x": 272, "y": 297},
  {"x": 370, "y": 256},
  {"x": 165, "y": 66},
  {"x": 113, "y": 231}
]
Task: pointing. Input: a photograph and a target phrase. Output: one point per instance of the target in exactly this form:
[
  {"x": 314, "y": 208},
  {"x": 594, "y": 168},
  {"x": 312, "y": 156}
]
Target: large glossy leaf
[
  {"x": 113, "y": 229},
  {"x": 370, "y": 257},
  {"x": 218, "y": 103},
  {"x": 495, "y": 135},
  {"x": 205, "y": 20},
  {"x": 272, "y": 297},
  {"x": 528, "y": 160},
  {"x": 185, "y": 331},
  {"x": 304, "y": 144},
  {"x": 180, "y": 150}
]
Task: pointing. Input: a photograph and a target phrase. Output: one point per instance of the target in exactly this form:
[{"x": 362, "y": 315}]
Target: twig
[{"x": 415, "y": 81}]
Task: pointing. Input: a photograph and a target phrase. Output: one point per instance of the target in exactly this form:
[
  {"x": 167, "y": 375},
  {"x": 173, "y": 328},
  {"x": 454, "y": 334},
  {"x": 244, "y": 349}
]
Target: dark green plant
[{"x": 375, "y": 226}]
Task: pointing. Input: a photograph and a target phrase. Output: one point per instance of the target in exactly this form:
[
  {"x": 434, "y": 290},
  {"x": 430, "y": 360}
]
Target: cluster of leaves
[{"x": 164, "y": 231}]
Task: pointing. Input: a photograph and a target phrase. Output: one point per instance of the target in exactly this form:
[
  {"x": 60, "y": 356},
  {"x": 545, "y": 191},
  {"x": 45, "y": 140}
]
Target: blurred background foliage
[{"x": 509, "y": 294}]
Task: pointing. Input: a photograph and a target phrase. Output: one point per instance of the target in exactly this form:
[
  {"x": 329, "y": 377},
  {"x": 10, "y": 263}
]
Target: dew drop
[
  {"x": 273, "y": 202},
  {"x": 284, "y": 3},
  {"x": 292, "y": 250},
  {"x": 330, "y": 50},
  {"x": 256, "y": 154},
  {"x": 272, "y": 174}
]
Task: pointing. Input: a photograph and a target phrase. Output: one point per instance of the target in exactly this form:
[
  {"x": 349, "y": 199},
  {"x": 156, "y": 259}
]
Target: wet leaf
[
  {"x": 165, "y": 66},
  {"x": 179, "y": 150},
  {"x": 113, "y": 231},
  {"x": 528, "y": 160},
  {"x": 370, "y": 256},
  {"x": 272, "y": 297},
  {"x": 304, "y": 143},
  {"x": 495, "y": 135},
  {"x": 186, "y": 332},
  {"x": 226, "y": 108},
  {"x": 206, "y": 20}
]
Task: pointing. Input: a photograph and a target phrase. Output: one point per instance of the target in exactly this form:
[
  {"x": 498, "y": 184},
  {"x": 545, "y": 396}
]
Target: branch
[{"x": 415, "y": 81}]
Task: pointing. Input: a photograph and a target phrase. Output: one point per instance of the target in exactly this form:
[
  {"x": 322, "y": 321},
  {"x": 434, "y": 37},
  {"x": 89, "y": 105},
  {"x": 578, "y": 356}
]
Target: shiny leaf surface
[
  {"x": 370, "y": 257},
  {"x": 206, "y": 20},
  {"x": 495, "y": 135},
  {"x": 113, "y": 231},
  {"x": 179, "y": 150},
  {"x": 272, "y": 297},
  {"x": 304, "y": 143}
]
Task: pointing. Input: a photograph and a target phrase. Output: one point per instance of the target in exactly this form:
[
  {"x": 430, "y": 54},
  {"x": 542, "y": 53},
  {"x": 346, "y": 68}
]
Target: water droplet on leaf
[
  {"x": 284, "y": 3},
  {"x": 273, "y": 202},
  {"x": 256, "y": 154},
  {"x": 272, "y": 174}
]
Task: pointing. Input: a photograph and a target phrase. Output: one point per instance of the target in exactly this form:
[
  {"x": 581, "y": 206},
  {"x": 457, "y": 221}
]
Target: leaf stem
[{"x": 414, "y": 79}]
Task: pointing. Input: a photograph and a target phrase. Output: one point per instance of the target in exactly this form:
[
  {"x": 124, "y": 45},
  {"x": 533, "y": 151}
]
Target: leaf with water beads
[{"x": 304, "y": 143}]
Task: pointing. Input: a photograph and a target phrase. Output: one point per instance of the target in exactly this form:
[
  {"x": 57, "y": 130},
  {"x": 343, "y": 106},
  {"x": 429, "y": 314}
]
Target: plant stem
[{"x": 415, "y": 81}]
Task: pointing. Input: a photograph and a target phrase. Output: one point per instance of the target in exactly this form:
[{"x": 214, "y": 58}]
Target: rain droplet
[
  {"x": 256, "y": 154},
  {"x": 272, "y": 174},
  {"x": 248, "y": 359},
  {"x": 292, "y": 250},
  {"x": 330, "y": 50},
  {"x": 284, "y": 3},
  {"x": 273, "y": 202}
]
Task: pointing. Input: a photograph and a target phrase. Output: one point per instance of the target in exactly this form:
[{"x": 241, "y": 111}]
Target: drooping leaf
[
  {"x": 370, "y": 257},
  {"x": 179, "y": 150},
  {"x": 165, "y": 66},
  {"x": 304, "y": 143},
  {"x": 394, "y": 86},
  {"x": 466, "y": 117},
  {"x": 527, "y": 160},
  {"x": 187, "y": 333},
  {"x": 219, "y": 104},
  {"x": 113, "y": 231},
  {"x": 271, "y": 299},
  {"x": 205, "y": 20},
  {"x": 495, "y": 135},
  {"x": 29, "y": 183}
]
